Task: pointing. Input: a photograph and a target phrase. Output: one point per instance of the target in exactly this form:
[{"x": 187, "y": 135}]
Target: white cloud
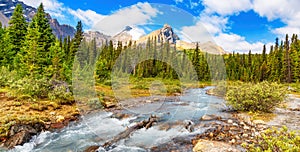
[
  {"x": 286, "y": 10},
  {"x": 195, "y": 33},
  {"x": 227, "y": 7},
  {"x": 88, "y": 17},
  {"x": 138, "y": 14},
  {"x": 178, "y": 1},
  {"x": 233, "y": 42},
  {"x": 54, "y": 7}
]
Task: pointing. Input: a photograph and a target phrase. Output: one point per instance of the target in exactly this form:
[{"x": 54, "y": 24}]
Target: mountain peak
[
  {"x": 128, "y": 28},
  {"x": 166, "y": 26}
]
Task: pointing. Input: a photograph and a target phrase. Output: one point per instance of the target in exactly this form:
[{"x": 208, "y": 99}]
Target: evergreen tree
[
  {"x": 15, "y": 34},
  {"x": 39, "y": 38}
]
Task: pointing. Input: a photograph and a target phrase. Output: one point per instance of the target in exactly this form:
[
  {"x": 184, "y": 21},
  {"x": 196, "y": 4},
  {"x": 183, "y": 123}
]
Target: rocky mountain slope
[
  {"x": 4, "y": 20},
  {"x": 7, "y": 8},
  {"x": 162, "y": 35}
]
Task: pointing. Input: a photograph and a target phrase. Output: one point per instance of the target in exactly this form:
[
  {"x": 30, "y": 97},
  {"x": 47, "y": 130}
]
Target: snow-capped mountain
[
  {"x": 162, "y": 35},
  {"x": 7, "y": 8}
]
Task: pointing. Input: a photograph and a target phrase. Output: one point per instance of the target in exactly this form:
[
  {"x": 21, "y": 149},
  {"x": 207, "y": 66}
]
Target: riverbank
[
  {"x": 22, "y": 119},
  {"x": 246, "y": 128}
]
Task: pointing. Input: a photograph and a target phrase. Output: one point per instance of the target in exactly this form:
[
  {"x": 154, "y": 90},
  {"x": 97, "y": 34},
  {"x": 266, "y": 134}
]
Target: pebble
[
  {"x": 229, "y": 121},
  {"x": 232, "y": 141},
  {"x": 245, "y": 135},
  {"x": 211, "y": 134},
  {"x": 242, "y": 123},
  {"x": 246, "y": 128},
  {"x": 235, "y": 124}
]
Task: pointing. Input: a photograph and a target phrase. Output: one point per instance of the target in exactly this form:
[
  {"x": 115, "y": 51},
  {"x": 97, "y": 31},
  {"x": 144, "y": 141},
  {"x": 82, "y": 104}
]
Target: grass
[{"x": 29, "y": 112}]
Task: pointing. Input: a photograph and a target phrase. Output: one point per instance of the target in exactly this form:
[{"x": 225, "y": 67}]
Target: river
[{"x": 96, "y": 129}]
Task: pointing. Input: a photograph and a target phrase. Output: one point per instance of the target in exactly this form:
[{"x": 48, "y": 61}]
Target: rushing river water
[{"x": 98, "y": 128}]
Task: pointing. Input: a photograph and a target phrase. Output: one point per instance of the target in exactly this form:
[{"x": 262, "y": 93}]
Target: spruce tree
[
  {"x": 39, "y": 38},
  {"x": 16, "y": 32}
]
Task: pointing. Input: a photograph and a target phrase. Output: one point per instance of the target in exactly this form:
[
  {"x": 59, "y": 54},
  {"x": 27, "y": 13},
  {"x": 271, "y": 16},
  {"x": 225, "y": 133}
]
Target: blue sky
[{"x": 235, "y": 25}]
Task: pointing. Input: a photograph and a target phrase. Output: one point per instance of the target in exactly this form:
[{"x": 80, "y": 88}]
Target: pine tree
[
  {"x": 16, "y": 34},
  {"x": 75, "y": 43},
  {"x": 39, "y": 38}
]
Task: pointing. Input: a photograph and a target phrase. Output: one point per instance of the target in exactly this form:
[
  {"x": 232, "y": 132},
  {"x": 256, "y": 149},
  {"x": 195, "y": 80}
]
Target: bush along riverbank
[{"x": 252, "y": 128}]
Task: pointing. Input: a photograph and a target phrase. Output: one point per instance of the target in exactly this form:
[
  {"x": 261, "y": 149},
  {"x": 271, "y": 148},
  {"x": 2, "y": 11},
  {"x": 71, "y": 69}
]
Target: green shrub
[
  {"x": 277, "y": 140},
  {"x": 262, "y": 96},
  {"x": 61, "y": 95},
  {"x": 7, "y": 77},
  {"x": 95, "y": 103},
  {"x": 35, "y": 88}
]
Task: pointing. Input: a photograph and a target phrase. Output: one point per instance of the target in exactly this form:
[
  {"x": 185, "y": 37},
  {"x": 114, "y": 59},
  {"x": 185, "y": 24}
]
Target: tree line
[
  {"x": 33, "y": 51},
  {"x": 281, "y": 64}
]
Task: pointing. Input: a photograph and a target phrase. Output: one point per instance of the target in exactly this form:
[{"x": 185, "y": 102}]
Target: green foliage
[
  {"x": 274, "y": 139},
  {"x": 33, "y": 87},
  {"x": 262, "y": 96},
  {"x": 15, "y": 34},
  {"x": 61, "y": 95},
  {"x": 7, "y": 77},
  {"x": 95, "y": 103}
]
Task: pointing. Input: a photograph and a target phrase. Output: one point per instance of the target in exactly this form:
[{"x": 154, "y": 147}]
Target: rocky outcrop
[
  {"x": 22, "y": 133},
  {"x": 99, "y": 37},
  {"x": 61, "y": 31},
  {"x": 228, "y": 133},
  {"x": 162, "y": 35}
]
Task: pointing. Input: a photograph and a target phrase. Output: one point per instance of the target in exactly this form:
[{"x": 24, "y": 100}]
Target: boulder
[{"x": 21, "y": 133}]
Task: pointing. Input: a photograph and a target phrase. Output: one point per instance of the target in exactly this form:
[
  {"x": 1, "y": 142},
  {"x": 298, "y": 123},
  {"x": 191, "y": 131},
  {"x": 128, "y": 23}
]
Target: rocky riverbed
[{"x": 193, "y": 121}]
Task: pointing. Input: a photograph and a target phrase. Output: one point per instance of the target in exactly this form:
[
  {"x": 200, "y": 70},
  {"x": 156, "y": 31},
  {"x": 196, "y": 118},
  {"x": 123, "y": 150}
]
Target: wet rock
[
  {"x": 210, "y": 117},
  {"x": 121, "y": 116},
  {"x": 110, "y": 104},
  {"x": 18, "y": 139},
  {"x": 92, "y": 149},
  {"x": 20, "y": 134},
  {"x": 58, "y": 125},
  {"x": 189, "y": 125},
  {"x": 213, "y": 146}
]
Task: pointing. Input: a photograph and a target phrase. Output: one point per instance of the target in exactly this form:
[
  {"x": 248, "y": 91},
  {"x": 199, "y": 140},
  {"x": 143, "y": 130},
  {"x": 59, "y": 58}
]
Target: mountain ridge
[
  {"x": 59, "y": 30},
  {"x": 162, "y": 35}
]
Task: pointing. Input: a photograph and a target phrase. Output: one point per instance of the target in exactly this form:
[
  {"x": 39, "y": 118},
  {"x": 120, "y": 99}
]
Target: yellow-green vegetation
[
  {"x": 263, "y": 96},
  {"x": 141, "y": 87},
  {"x": 276, "y": 139},
  {"x": 30, "y": 112}
]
